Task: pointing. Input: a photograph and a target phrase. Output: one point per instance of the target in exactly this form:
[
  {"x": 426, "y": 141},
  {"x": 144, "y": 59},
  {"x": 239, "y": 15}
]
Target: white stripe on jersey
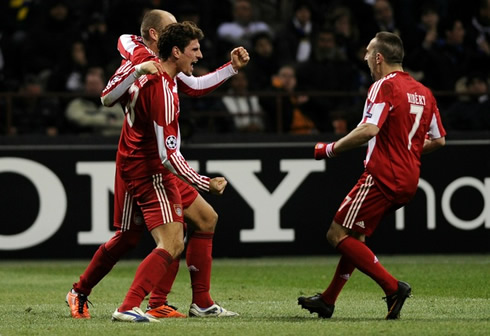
[
  {"x": 127, "y": 212},
  {"x": 131, "y": 42},
  {"x": 162, "y": 149},
  {"x": 375, "y": 113},
  {"x": 209, "y": 80},
  {"x": 123, "y": 69},
  {"x": 371, "y": 145},
  {"x": 176, "y": 163},
  {"x": 115, "y": 88},
  {"x": 356, "y": 204},
  {"x": 372, "y": 111},
  {"x": 377, "y": 85},
  {"x": 434, "y": 131},
  {"x": 128, "y": 43},
  {"x": 169, "y": 102},
  {"x": 375, "y": 89},
  {"x": 186, "y": 171},
  {"x": 142, "y": 80},
  {"x": 162, "y": 199}
]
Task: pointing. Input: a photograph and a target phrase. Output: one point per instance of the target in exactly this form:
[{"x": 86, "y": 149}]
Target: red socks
[
  {"x": 342, "y": 274},
  {"x": 149, "y": 272},
  {"x": 160, "y": 292},
  {"x": 97, "y": 269},
  {"x": 105, "y": 258},
  {"x": 199, "y": 259},
  {"x": 364, "y": 259}
]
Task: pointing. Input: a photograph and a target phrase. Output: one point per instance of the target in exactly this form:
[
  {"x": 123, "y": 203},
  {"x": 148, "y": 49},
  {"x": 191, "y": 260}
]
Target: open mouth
[{"x": 192, "y": 66}]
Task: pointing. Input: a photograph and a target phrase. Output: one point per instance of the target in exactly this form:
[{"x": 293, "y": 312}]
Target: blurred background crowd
[{"x": 306, "y": 75}]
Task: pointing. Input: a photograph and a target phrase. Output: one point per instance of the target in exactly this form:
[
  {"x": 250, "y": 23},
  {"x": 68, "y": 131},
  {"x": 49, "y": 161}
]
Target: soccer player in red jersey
[
  {"x": 400, "y": 122},
  {"x": 197, "y": 212},
  {"x": 149, "y": 165},
  {"x": 140, "y": 57}
]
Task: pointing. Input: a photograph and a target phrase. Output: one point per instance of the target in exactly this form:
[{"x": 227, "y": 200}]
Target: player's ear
[
  {"x": 153, "y": 34},
  {"x": 176, "y": 52}
]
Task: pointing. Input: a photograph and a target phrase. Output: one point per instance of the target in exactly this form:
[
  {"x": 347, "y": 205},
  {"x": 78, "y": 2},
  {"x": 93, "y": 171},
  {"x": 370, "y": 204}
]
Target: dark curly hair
[{"x": 177, "y": 35}]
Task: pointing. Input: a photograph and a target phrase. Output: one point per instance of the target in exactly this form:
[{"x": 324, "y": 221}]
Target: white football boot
[
  {"x": 214, "y": 311},
  {"x": 133, "y": 315}
]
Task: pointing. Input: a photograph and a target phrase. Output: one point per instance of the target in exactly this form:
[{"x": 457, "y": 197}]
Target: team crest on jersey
[
  {"x": 171, "y": 142},
  {"x": 178, "y": 209}
]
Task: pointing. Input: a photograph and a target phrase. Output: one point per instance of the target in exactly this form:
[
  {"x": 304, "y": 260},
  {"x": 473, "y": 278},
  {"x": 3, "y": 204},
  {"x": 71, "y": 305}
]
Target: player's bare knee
[
  {"x": 359, "y": 236},
  {"x": 332, "y": 238},
  {"x": 179, "y": 248},
  {"x": 335, "y": 234},
  {"x": 213, "y": 220},
  {"x": 208, "y": 222},
  {"x": 176, "y": 249}
]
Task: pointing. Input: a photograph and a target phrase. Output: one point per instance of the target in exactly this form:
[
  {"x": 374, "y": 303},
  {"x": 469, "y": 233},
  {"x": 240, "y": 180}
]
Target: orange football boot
[
  {"x": 78, "y": 304},
  {"x": 164, "y": 311}
]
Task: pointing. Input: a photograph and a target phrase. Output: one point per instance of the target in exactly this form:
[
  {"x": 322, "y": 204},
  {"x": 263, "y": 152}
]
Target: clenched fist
[
  {"x": 239, "y": 58},
  {"x": 217, "y": 185}
]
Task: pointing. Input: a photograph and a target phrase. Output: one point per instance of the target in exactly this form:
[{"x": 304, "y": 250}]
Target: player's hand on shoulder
[
  {"x": 217, "y": 185},
  {"x": 239, "y": 58},
  {"x": 149, "y": 67}
]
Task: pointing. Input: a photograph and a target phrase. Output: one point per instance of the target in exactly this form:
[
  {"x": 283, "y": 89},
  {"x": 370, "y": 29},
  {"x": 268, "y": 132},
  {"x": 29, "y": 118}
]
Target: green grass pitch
[{"x": 451, "y": 296}]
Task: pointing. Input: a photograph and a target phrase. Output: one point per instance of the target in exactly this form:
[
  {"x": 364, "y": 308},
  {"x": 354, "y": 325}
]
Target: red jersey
[
  {"x": 150, "y": 137},
  {"x": 134, "y": 52},
  {"x": 405, "y": 112}
]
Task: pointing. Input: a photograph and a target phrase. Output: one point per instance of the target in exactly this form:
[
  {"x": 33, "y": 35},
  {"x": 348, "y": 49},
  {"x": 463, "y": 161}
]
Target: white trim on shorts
[
  {"x": 127, "y": 212},
  {"x": 350, "y": 217},
  {"x": 165, "y": 207}
]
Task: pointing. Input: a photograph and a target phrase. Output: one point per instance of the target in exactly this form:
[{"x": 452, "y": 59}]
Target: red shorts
[
  {"x": 364, "y": 207},
  {"x": 154, "y": 200}
]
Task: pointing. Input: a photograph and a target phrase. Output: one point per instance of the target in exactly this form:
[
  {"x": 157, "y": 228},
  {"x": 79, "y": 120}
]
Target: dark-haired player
[{"x": 400, "y": 122}]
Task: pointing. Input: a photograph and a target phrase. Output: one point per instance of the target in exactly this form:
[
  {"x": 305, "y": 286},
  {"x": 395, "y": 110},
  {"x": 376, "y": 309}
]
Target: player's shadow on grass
[
  {"x": 309, "y": 319},
  {"x": 356, "y": 319}
]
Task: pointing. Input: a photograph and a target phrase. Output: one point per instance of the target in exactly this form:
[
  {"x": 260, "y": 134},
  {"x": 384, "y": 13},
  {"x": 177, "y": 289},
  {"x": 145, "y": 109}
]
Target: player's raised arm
[{"x": 202, "y": 85}]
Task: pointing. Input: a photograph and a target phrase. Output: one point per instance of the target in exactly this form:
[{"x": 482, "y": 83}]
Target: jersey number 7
[{"x": 417, "y": 110}]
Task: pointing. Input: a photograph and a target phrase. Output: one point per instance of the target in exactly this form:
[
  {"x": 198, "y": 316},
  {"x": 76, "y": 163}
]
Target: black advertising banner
[{"x": 57, "y": 201}]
